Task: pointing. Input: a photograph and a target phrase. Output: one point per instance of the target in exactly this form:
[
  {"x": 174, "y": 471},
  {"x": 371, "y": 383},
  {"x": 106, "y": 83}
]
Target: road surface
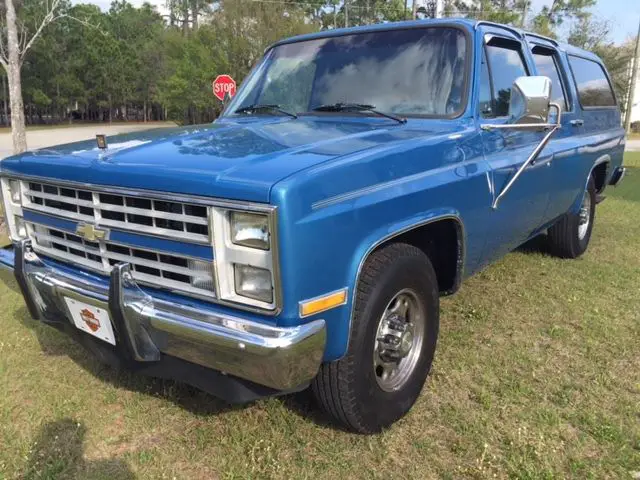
[
  {"x": 633, "y": 146},
  {"x": 48, "y": 137}
]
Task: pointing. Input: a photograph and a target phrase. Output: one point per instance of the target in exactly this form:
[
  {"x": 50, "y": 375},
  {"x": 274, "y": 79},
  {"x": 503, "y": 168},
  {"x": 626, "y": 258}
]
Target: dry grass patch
[{"x": 537, "y": 376}]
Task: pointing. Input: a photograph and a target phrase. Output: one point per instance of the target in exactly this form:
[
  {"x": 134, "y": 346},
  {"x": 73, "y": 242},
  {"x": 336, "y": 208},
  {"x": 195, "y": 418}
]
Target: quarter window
[
  {"x": 594, "y": 89},
  {"x": 547, "y": 64},
  {"x": 505, "y": 65}
]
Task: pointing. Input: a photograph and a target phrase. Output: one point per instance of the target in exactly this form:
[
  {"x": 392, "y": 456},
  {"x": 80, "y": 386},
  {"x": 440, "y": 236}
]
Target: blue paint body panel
[{"x": 343, "y": 183}]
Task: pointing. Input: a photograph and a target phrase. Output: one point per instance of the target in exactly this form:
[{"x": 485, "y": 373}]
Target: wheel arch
[
  {"x": 446, "y": 218},
  {"x": 600, "y": 172}
]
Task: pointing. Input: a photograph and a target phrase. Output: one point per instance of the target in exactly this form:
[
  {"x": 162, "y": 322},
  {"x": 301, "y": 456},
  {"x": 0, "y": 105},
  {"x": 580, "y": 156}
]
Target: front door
[{"x": 521, "y": 211}]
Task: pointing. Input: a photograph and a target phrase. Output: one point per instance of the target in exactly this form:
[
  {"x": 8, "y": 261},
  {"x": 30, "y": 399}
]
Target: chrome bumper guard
[{"x": 145, "y": 326}]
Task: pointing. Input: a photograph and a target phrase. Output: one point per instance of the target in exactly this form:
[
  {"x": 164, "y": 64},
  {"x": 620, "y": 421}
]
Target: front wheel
[
  {"x": 569, "y": 237},
  {"x": 392, "y": 342}
]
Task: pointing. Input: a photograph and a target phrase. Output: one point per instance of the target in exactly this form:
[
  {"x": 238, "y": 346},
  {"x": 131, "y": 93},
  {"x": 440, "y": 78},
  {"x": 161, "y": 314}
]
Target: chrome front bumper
[{"x": 147, "y": 327}]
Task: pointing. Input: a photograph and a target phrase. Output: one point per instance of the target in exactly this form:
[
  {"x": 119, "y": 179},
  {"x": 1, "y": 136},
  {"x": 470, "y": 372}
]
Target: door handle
[{"x": 577, "y": 123}]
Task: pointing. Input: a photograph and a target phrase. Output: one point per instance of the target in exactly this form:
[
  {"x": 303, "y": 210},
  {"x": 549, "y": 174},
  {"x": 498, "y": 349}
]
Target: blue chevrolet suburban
[{"x": 305, "y": 237}]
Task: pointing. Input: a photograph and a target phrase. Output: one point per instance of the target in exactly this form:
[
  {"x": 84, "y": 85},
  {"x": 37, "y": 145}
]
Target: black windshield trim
[{"x": 467, "y": 61}]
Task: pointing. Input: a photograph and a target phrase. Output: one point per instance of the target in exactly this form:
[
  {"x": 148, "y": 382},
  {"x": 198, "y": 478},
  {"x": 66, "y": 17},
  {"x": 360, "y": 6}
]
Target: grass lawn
[{"x": 537, "y": 376}]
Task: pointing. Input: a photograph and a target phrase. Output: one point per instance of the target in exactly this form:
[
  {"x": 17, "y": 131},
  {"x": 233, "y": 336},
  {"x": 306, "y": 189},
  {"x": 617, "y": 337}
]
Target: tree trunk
[
  {"x": 194, "y": 14},
  {"x": 5, "y": 95},
  {"x": 144, "y": 107},
  {"x": 18, "y": 133},
  {"x": 185, "y": 19}
]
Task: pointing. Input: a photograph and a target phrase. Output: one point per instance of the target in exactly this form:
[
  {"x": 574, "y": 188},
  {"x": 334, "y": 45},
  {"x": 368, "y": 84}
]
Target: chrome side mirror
[
  {"x": 530, "y": 97},
  {"x": 528, "y": 110}
]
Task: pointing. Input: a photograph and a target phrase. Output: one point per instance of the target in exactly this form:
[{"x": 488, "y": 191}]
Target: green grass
[{"x": 537, "y": 376}]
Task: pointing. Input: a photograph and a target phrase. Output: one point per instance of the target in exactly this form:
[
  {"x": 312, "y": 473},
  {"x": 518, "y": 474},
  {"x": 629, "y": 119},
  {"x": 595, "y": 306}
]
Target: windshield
[{"x": 419, "y": 71}]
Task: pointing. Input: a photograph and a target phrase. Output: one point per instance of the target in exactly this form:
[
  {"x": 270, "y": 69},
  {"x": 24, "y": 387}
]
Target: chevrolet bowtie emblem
[{"x": 91, "y": 233}]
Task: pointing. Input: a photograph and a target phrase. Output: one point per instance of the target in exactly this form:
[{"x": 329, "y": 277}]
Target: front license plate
[{"x": 91, "y": 319}]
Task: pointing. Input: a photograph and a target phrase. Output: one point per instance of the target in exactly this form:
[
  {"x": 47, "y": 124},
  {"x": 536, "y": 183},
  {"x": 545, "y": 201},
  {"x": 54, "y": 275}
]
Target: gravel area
[{"x": 48, "y": 137}]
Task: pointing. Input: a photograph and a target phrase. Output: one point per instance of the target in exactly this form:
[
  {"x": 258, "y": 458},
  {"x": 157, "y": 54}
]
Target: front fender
[{"x": 379, "y": 237}]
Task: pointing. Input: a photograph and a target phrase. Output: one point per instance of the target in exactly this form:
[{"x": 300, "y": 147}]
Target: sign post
[{"x": 223, "y": 85}]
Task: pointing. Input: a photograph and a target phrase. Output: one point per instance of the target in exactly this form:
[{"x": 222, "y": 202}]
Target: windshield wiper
[
  {"x": 356, "y": 107},
  {"x": 264, "y": 106}
]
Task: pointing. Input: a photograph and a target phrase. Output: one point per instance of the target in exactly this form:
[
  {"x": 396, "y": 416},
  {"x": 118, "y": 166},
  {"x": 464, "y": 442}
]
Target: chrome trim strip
[
  {"x": 102, "y": 267},
  {"x": 382, "y": 185},
  {"x": 116, "y": 229},
  {"x": 309, "y": 300},
  {"x": 386, "y": 238},
  {"x": 100, "y": 209},
  {"x": 282, "y": 358},
  {"x": 147, "y": 194}
]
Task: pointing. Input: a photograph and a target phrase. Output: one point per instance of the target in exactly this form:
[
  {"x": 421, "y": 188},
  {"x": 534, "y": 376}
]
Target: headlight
[
  {"x": 12, "y": 206},
  {"x": 254, "y": 283},
  {"x": 14, "y": 189},
  {"x": 250, "y": 230},
  {"x": 246, "y": 256}
]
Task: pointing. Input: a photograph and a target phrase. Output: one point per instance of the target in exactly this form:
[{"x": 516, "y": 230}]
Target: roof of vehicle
[{"x": 466, "y": 23}]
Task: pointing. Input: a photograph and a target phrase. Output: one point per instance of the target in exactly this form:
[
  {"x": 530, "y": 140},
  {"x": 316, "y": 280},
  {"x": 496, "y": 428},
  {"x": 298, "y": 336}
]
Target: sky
[{"x": 623, "y": 15}]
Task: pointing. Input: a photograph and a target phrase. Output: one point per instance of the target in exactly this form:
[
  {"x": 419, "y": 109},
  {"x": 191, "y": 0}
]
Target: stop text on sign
[{"x": 223, "y": 85}]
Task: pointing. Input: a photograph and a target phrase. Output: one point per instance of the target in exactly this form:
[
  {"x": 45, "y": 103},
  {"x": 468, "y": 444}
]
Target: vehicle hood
[{"x": 239, "y": 159}]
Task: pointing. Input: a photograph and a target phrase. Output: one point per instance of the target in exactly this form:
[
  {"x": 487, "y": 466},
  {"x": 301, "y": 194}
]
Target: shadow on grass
[
  {"x": 57, "y": 452},
  {"x": 55, "y": 343}
]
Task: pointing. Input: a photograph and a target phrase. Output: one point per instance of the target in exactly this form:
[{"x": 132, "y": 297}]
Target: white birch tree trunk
[{"x": 13, "y": 67}]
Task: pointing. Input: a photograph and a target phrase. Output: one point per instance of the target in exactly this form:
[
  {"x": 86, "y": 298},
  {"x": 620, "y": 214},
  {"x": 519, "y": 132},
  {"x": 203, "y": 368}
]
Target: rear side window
[
  {"x": 547, "y": 65},
  {"x": 505, "y": 65},
  {"x": 594, "y": 89}
]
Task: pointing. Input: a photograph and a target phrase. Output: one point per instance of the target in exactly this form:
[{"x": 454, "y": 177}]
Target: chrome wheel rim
[
  {"x": 584, "y": 216},
  {"x": 398, "y": 341}
]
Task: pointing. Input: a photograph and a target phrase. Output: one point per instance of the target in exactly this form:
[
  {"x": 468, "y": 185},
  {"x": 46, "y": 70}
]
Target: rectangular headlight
[
  {"x": 250, "y": 230},
  {"x": 246, "y": 256},
  {"x": 253, "y": 282}
]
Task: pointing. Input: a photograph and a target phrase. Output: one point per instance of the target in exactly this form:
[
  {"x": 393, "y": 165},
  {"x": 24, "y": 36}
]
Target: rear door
[
  {"x": 567, "y": 162},
  {"x": 521, "y": 211},
  {"x": 602, "y": 137}
]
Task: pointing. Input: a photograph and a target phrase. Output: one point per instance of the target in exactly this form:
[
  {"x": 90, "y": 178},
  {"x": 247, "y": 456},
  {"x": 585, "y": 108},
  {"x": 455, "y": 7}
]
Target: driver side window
[{"x": 504, "y": 63}]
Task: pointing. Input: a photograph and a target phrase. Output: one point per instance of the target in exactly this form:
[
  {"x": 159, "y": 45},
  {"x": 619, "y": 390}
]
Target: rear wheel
[
  {"x": 392, "y": 342},
  {"x": 570, "y": 236}
]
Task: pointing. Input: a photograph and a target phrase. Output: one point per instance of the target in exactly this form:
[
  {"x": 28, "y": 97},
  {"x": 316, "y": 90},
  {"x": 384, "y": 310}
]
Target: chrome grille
[
  {"x": 165, "y": 218},
  {"x": 160, "y": 269}
]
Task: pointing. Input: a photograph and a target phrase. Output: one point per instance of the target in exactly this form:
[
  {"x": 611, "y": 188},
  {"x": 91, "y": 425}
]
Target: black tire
[
  {"x": 347, "y": 389},
  {"x": 563, "y": 237}
]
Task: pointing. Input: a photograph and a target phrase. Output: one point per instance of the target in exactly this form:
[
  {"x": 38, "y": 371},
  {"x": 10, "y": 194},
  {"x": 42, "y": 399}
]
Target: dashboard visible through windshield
[{"x": 413, "y": 72}]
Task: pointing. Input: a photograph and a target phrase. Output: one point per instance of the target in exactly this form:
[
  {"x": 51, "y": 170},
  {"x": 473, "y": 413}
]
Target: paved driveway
[
  {"x": 57, "y": 136},
  {"x": 633, "y": 146}
]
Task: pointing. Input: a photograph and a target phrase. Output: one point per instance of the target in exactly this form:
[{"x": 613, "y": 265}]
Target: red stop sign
[{"x": 222, "y": 85}]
